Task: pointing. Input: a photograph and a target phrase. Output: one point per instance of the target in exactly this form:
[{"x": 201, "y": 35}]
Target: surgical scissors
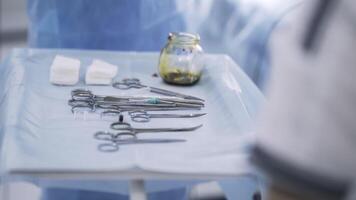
[
  {"x": 87, "y": 95},
  {"x": 143, "y": 116},
  {"x": 123, "y": 126},
  {"x": 94, "y": 108},
  {"x": 117, "y": 139},
  {"x": 91, "y": 106},
  {"x": 129, "y": 83}
]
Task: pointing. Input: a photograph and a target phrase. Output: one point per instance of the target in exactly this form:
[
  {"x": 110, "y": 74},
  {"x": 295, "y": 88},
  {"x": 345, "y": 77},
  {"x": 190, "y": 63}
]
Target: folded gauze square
[
  {"x": 100, "y": 73},
  {"x": 64, "y": 71}
]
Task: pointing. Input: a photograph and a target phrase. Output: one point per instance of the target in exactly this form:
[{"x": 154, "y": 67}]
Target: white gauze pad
[
  {"x": 64, "y": 71},
  {"x": 100, "y": 73}
]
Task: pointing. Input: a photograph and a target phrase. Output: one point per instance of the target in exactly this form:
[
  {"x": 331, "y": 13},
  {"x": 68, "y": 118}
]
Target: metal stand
[{"x": 137, "y": 190}]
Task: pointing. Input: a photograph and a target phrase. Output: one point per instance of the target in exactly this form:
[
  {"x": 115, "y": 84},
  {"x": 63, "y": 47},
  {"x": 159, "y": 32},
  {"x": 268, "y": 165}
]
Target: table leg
[
  {"x": 137, "y": 190},
  {"x": 244, "y": 187}
]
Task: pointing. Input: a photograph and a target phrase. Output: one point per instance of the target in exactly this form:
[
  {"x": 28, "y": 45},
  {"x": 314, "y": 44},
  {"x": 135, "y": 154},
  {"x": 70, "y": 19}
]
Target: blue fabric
[
  {"x": 67, "y": 194},
  {"x": 140, "y": 25},
  {"x": 240, "y": 189}
]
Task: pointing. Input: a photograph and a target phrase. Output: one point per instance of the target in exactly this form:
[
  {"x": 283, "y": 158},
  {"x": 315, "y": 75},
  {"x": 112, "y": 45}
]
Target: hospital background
[
  {"x": 247, "y": 24},
  {"x": 249, "y": 31}
]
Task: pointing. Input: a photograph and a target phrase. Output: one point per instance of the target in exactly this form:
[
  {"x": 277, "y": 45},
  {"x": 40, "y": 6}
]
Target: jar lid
[{"x": 183, "y": 37}]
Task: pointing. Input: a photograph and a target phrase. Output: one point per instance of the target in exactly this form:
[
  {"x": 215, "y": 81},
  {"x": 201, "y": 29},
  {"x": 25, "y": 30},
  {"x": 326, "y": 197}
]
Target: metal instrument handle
[
  {"x": 101, "y": 135},
  {"x": 171, "y": 93},
  {"x": 121, "y": 86},
  {"x": 89, "y": 108},
  {"x": 108, "y": 147},
  {"x": 121, "y": 126},
  {"x": 128, "y": 83},
  {"x": 140, "y": 118},
  {"x": 167, "y": 115},
  {"x": 131, "y": 80},
  {"x": 82, "y": 94},
  {"x": 137, "y": 112},
  {"x": 111, "y": 112},
  {"x": 124, "y": 138},
  {"x": 154, "y": 130},
  {"x": 73, "y": 102}
]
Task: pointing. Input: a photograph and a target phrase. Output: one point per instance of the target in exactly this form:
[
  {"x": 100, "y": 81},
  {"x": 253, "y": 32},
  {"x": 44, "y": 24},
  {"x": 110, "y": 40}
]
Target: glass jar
[{"x": 181, "y": 60}]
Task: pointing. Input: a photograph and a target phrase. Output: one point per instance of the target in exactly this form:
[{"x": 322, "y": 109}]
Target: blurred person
[{"x": 307, "y": 138}]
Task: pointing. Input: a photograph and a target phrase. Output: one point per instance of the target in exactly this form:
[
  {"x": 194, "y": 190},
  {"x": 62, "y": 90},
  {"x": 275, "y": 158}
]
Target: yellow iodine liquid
[{"x": 179, "y": 61}]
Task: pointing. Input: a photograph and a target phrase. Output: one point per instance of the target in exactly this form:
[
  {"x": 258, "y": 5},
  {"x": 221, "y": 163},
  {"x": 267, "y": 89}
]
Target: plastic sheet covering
[
  {"x": 238, "y": 28},
  {"x": 41, "y": 136}
]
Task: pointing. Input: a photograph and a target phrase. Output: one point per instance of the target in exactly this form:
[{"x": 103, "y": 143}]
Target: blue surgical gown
[{"x": 128, "y": 25}]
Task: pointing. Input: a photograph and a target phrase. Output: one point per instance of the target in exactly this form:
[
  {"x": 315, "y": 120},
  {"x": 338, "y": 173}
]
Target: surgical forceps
[
  {"x": 107, "y": 109},
  {"x": 143, "y": 116},
  {"x": 87, "y": 95},
  {"x": 114, "y": 140},
  {"x": 123, "y": 126},
  {"x": 129, "y": 83}
]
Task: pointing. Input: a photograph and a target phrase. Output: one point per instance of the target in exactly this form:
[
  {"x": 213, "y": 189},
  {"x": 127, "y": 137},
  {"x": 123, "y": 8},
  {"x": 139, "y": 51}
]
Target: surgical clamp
[
  {"x": 117, "y": 139},
  {"x": 123, "y": 126},
  {"x": 143, "y": 116},
  {"x": 129, "y": 83}
]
